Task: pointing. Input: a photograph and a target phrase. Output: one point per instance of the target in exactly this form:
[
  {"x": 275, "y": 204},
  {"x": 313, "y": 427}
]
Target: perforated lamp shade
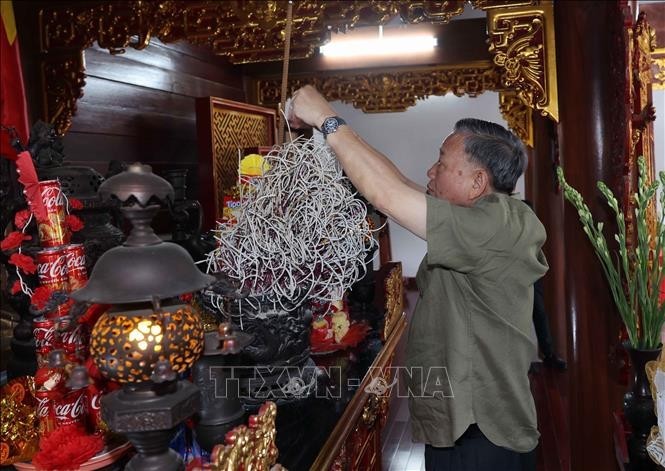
[{"x": 128, "y": 344}]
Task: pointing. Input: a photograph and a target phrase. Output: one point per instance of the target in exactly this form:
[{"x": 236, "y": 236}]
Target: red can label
[
  {"x": 76, "y": 271},
  {"x": 52, "y": 271},
  {"x": 74, "y": 343},
  {"x": 46, "y": 410},
  {"x": 53, "y": 231},
  {"x": 46, "y": 338},
  {"x": 95, "y": 407},
  {"x": 71, "y": 409}
]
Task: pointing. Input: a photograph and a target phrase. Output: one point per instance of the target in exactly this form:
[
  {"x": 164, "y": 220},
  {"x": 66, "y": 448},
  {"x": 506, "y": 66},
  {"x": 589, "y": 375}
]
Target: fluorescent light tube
[{"x": 379, "y": 46}]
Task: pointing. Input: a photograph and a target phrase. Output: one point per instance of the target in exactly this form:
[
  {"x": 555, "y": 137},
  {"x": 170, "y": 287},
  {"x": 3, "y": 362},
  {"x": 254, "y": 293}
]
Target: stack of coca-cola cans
[
  {"x": 66, "y": 397},
  {"x": 64, "y": 393},
  {"x": 60, "y": 267}
]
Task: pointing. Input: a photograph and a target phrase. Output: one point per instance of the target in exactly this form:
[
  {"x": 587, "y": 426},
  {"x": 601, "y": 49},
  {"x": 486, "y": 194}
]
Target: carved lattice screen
[{"x": 223, "y": 127}]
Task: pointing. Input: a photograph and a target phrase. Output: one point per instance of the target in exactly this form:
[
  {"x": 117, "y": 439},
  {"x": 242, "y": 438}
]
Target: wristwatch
[{"x": 331, "y": 124}]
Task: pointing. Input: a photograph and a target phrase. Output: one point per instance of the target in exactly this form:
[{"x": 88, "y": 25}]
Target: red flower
[
  {"x": 40, "y": 296},
  {"x": 13, "y": 240},
  {"x": 21, "y": 218},
  {"x": 186, "y": 298},
  {"x": 75, "y": 203},
  {"x": 74, "y": 223},
  {"x": 67, "y": 447},
  {"x": 24, "y": 262},
  {"x": 16, "y": 287}
]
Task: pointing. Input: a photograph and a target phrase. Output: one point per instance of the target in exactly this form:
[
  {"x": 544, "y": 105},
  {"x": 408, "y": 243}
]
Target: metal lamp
[
  {"x": 142, "y": 342},
  {"x": 221, "y": 410}
]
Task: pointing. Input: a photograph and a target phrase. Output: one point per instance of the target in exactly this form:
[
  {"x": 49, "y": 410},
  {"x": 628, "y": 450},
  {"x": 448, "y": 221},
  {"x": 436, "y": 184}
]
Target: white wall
[
  {"x": 412, "y": 139},
  {"x": 659, "y": 131}
]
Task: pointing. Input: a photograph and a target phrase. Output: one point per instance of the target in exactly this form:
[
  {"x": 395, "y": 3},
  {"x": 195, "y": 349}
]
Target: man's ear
[{"x": 480, "y": 184}]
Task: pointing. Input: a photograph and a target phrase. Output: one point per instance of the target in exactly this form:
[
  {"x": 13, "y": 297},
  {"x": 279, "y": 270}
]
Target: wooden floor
[{"x": 548, "y": 386}]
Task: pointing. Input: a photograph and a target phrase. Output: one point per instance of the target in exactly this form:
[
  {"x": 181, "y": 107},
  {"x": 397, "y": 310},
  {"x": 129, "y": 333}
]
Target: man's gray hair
[{"x": 495, "y": 148}]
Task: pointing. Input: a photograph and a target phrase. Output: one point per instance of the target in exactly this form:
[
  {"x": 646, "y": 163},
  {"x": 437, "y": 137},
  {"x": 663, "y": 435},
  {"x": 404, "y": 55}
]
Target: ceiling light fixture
[{"x": 380, "y": 46}]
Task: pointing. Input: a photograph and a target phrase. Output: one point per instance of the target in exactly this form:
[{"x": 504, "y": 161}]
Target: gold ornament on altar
[
  {"x": 19, "y": 440},
  {"x": 127, "y": 345},
  {"x": 249, "y": 447}
]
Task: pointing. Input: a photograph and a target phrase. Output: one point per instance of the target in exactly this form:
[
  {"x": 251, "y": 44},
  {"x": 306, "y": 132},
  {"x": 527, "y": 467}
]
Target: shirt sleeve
[{"x": 458, "y": 236}]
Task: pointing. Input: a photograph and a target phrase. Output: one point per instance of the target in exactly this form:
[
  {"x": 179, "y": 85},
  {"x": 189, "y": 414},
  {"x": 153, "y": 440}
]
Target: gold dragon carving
[
  {"x": 522, "y": 42},
  {"x": 252, "y": 447},
  {"x": 243, "y": 31}
]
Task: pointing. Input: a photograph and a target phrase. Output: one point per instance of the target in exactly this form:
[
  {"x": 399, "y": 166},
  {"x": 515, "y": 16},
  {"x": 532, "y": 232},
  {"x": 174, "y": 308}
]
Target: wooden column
[
  {"x": 591, "y": 78},
  {"x": 542, "y": 191}
]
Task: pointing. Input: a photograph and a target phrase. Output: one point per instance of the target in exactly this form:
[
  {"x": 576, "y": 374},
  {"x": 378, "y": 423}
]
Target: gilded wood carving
[
  {"x": 252, "y": 31},
  {"x": 249, "y": 448},
  {"x": 394, "y": 303},
  {"x": 517, "y": 115},
  {"x": 522, "y": 41},
  {"x": 390, "y": 90},
  {"x": 641, "y": 42}
]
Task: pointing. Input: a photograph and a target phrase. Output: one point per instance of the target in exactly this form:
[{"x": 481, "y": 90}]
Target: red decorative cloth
[{"x": 13, "y": 109}]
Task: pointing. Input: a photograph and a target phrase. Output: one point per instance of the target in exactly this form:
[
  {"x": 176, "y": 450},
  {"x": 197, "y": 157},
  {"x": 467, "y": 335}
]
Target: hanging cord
[{"x": 285, "y": 70}]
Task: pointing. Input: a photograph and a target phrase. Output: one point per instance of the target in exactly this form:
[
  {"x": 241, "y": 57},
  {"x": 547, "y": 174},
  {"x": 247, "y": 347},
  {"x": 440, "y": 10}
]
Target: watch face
[{"x": 329, "y": 125}]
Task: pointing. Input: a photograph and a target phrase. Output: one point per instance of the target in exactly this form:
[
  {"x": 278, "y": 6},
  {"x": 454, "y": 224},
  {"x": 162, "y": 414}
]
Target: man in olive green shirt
[{"x": 471, "y": 329}]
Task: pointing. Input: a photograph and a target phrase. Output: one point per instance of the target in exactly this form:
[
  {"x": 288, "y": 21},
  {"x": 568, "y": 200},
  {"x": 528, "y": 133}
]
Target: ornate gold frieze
[
  {"x": 389, "y": 90},
  {"x": 522, "y": 42},
  {"x": 244, "y": 31},
  {"x": 517, "y": 115}
]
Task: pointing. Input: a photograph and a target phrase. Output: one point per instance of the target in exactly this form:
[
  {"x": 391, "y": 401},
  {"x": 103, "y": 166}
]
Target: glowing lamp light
[
  {"x": 380, "y": 46},
  {"x": 126, "y": 346}
]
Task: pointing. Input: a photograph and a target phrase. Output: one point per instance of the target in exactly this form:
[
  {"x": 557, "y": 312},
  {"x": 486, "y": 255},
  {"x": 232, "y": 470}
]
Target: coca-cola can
[
  {"x": 53, "y": 232},
  {"x": 46, "y": 338},
  {"x": 46, "y": 410},
  {"x": 72, "y": 408},
  {"x": 95, "y": 394},
  {"x": 75, "y": 343},
  {"x": 52, "y": 271},
  {"x": 76, "y": 271}
]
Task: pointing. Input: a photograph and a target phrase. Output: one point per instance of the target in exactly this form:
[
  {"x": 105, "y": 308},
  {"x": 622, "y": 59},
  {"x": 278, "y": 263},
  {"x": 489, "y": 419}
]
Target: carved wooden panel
[
  {"x": 355, "y": 443},
  {"x": 640, "y": 45},
  {"x": 522, "y": 41},
  {"x": 389, "y": 297},
  {"x": 243, "y": 31},
  {"x": 389, "y": 90},
  {"x": 224, "y": 128},
  {"x": 517, "y": 115}
]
